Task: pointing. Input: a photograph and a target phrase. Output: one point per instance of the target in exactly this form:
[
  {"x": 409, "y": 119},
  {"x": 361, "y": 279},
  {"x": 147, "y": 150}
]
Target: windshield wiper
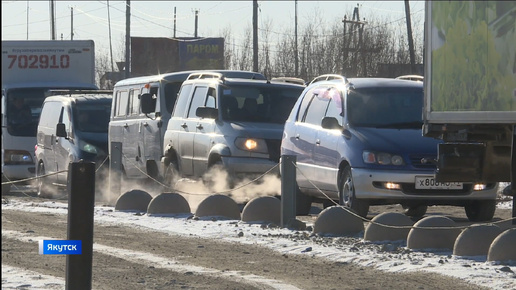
[{"x": 402, "y": 125}]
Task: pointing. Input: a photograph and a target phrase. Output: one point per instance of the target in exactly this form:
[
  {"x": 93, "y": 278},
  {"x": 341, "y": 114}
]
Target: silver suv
[
  {"x": 229, "y": 122},
  {"x": 358, "y": 142}
]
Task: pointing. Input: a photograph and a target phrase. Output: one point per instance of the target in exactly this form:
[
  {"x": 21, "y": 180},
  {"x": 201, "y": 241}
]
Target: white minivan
[{"x": 139, "y": 134}]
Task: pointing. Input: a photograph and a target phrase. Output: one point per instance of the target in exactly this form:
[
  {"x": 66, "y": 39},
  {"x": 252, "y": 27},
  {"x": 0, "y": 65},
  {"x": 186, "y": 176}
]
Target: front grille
[
  {"x": 274, "y": 147},
  {"x": 415, "y": 159}
]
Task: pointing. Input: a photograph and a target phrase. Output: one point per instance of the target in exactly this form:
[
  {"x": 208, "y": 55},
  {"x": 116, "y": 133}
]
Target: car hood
[
  {"x": 396, "y": 140},
  {"x": 98, "y": 139}
]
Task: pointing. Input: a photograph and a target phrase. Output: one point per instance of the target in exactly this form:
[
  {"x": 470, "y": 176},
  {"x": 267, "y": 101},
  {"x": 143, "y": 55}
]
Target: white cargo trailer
[{"x": 470, "y": 88}]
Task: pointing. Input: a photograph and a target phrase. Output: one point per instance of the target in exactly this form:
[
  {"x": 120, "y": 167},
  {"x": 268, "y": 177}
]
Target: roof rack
[
  {"x": 205, "y": 75},
  {"x": 292, "y": 80},
  {"x": 329, "y": 77},
  {"x": 78, "y": 91}
]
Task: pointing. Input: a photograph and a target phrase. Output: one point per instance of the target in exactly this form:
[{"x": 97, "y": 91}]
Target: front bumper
[
  {"x": 368, "y": 183},
  {"x": 19, "y": 171}
]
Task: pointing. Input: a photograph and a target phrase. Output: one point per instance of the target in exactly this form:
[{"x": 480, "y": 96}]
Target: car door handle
[
  {"x": 145, "y": 124},
  {"x": 318, "y": 142},
  {"x": 125, "y": 125},
  {"x": 297, "y": 136},
  {"x": 184, "y": 125},
  {"x": 199, "y": 126}
]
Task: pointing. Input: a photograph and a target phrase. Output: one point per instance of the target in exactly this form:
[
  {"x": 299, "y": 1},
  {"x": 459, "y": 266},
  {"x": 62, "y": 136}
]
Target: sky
[
  {"x": 23, "y": 20},
  {"x": 475, "y": 270}
]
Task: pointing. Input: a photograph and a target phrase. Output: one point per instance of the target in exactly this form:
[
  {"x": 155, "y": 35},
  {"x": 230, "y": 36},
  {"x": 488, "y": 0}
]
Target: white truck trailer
[
  {"x": 470, "y": 89},
  {"x": 29, "y": 70}
]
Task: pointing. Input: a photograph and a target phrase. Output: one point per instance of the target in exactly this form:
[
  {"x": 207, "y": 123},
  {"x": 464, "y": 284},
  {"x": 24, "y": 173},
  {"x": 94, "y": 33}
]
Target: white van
[
  {"x": 140, "y": 134},
  {"x": 72, "y": 126}
]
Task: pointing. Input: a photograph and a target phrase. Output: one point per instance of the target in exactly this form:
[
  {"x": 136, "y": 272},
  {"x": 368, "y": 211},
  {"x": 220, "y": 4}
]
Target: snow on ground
[{"x": 391, "y": 257}]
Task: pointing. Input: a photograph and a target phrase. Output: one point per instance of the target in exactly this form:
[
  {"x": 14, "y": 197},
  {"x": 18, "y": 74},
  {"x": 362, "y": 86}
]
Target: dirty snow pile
[{"x": 390, "y": 257}]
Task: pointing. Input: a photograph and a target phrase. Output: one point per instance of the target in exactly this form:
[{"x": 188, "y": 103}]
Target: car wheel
[
  {"x": 415, "y": 211},
  {"x": 480, "y": 210},
  {"x": 44, "y": 187},
  {"x": 347, "y": 194},
  {"x": 303, "y": 203}
]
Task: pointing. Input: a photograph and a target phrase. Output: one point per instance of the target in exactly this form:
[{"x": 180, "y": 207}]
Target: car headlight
[
  {"x": 251, "y": 144},
  {"x": 87, "y": 147},
  {"x": 17, "y": 157},
  {"x": 381, "y": 158}
]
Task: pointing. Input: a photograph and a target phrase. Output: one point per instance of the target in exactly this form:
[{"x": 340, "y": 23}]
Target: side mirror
[
  {"x": 61, "y": 130},
  {"x": 148, "y": 103},
  {"x": 330, "y": 123},
  {"x": 207, "y": 112}
]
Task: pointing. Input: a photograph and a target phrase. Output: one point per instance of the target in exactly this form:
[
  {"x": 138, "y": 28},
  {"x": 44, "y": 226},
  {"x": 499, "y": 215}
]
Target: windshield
[
  {"x": 264, "y": 104},
  {"x": 385, "y": 107},
  {"x": 23, "y": 110},
  {"x": 92, "y": 118}
]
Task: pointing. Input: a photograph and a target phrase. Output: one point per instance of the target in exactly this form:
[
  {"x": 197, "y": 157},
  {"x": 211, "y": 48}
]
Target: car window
[
  {"x": 335, "y": 105},
  {"x": 134, "y": 102},
  {"x": 198, "y": 100},
  {"x": 304, "y": 104},
  {"x": 258, "y": 103},
  {"x": 381, "y": 107},
  {"x": 67, "y": 120},
  {"x": 92, "y": 118},
  {"x": 317, "y": 108},
  {"x": 121, "y": 103},
  {"x": 182, "y": 100},
  {"x": 210, "y": 100},
  {"x": 171, "y": 93}
]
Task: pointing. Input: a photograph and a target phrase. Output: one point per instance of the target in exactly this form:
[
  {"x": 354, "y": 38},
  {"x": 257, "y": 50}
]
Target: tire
[
  {"x": 44, "y": 187},
  {"x": 415, "y": 211},
  {"x": 347, "y": 196},
  {"x": 480, "y": 210},
  {"x": 303, "y": 203}
]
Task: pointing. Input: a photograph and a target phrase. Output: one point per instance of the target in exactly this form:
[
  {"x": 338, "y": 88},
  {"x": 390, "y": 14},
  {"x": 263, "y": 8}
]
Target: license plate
[{"x": 428, "y": 182}]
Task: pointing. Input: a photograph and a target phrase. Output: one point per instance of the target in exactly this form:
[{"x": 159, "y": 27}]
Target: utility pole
[
  {"x": 356, "y": 25},
  {"x": 71, "y": 25},
  {"x": 127, "y": 38},
  {"x": 110, "y": 44},
  {"x": 295, "y": 50},
  {"x": 52, "y": 20},
  {"x": 196, "y": 22},
  {"x": 255, "y": 35},
  {"x": 175, "y": 16},
  {"x": 410, "y": 41},
  {"x": 27, "y": 19}
]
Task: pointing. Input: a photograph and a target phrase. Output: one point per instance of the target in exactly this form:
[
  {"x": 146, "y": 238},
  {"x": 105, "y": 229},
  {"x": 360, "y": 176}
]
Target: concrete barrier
[
  {"x": 168, "y": 203},
  {"x": 375, "y": 232},
  {"x": 426, "y": 234},
  {"x": 262, "y": 209},
  {"x": 218, "y": 205},
  {"x": 337, "y": 221},
  {"x": 503, "y": 248},
  {"x": 134, "y": 200},
  {"x": 476, "y": 240}
]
